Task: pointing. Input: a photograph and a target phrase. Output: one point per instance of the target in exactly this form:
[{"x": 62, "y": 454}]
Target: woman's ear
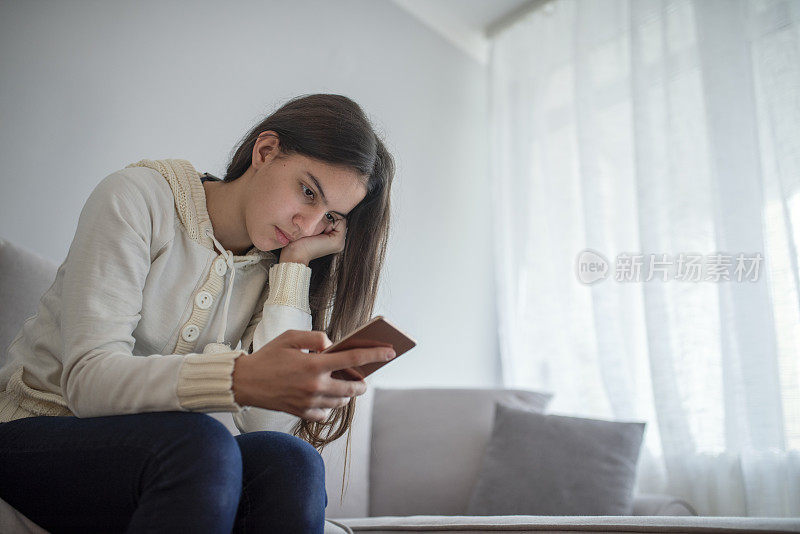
[{"x": 267, "y": 145}]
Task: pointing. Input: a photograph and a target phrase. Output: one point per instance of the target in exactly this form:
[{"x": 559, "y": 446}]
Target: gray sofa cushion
[
  {"x": 24, "y": 278},
  {"x": 427, "y": 446},
  {"x": 538, "y": 464}
]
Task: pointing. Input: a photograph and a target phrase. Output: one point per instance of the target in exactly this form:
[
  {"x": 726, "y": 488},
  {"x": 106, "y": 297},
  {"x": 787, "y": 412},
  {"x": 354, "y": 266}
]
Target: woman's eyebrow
[{"x": 321, "y": 192}]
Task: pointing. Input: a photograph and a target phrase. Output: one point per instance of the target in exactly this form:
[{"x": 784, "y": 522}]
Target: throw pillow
[{"x": 544, "y": 464}]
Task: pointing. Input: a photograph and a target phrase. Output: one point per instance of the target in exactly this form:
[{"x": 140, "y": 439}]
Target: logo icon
[{"x": 591, "y": 267}]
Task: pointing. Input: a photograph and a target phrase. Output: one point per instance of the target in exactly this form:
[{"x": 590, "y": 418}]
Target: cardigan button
[
  {"x": 190, "y": 332},
  {"x": 221, "y": 266},
  {"x": 204, "y": 299}
]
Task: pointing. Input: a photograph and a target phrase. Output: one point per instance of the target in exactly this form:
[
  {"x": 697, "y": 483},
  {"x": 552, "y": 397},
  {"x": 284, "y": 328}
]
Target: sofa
[{"x": 414, "y": 453}]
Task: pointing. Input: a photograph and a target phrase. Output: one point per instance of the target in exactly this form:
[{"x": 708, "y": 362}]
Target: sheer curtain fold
[{"x": 648, "y": 127}]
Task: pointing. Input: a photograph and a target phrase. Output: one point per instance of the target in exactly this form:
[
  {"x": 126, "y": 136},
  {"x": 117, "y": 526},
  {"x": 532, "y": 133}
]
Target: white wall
[{"x": 89, "y": 87}]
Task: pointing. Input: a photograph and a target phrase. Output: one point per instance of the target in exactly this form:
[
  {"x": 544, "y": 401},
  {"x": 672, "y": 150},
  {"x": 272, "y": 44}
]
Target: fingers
[
  {"x": 316, "y": 340},
  {"x": 331, "y": 402},
  {"x": 344, "y": 388},
  {"x": 339, "y": 226},
  {"x": 323, "y": 408},
  {"x": 339, "y": 229},
  {"x": 334, "y": 361},
  {"x": 318, "y": 415}
]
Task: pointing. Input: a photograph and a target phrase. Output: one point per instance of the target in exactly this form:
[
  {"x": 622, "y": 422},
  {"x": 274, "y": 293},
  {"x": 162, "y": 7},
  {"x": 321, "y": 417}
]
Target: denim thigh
[
  {"x": 283, "y": 485},
  {"x": 154, "y": 472}
]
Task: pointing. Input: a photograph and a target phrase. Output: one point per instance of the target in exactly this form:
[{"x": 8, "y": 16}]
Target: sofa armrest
[{"x": 661, "y": 504}]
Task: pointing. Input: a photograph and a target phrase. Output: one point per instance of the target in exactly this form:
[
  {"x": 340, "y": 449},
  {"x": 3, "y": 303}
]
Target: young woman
[{"x": 100, "y": 423}]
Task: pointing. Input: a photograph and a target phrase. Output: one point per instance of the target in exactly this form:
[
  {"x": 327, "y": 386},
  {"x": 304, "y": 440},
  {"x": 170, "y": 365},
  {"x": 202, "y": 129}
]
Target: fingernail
[{"x": 390, "y": 355}]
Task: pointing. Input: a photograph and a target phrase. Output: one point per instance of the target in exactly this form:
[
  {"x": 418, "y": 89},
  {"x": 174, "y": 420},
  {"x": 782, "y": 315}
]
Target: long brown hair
[{"x": 334, "y": 129}]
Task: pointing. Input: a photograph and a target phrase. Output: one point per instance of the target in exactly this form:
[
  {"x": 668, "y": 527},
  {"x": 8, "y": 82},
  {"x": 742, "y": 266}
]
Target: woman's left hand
[{"x": 312, "y": 247}]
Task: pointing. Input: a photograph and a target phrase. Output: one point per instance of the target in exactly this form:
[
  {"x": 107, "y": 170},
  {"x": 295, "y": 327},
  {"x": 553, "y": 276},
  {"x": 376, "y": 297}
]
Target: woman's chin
[
  {"x": 265, "y": 244},
  {"x": 268, "y": 248}
]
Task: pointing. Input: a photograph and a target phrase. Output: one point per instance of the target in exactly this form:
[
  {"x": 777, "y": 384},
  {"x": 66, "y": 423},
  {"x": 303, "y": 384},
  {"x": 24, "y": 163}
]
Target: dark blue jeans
[{"x": 159, "y": 472}]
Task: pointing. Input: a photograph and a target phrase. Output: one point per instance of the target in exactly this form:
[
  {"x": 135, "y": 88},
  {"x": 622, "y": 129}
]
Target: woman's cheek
[{"x": 261, "y": 232}]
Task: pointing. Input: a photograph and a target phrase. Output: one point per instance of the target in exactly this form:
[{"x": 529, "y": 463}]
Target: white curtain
[{"x": 655, "y": 129}]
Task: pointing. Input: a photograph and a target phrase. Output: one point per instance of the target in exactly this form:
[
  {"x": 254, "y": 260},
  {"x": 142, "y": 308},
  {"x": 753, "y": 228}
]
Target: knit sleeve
[
  {"x": 286, "y": 308},
  {"x": 290, "y": 283},
  {"x": 104, "y": 276}
]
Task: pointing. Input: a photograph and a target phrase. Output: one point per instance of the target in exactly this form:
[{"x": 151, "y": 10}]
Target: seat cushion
[
  {"x": 559, "y": 524},
  {"x": 427, "y": 445}
]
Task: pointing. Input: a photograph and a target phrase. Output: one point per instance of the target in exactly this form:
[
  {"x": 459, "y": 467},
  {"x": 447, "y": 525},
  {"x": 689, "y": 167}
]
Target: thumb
[{"x": 315, "y": 340}]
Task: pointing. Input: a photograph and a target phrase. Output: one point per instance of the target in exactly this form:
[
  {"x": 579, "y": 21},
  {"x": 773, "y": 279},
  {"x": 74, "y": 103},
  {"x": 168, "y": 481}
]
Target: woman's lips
[{"x": 282, "y": 238}]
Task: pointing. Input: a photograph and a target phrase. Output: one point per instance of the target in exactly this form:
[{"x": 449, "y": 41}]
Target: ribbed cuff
[
  {"x": 19, "y": 400},
  {"x": 289, "y": 283},
  {"x": 205, "y": 382}
]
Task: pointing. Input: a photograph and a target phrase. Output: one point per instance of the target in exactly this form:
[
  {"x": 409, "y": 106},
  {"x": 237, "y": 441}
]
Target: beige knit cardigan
[{"x": 91, "y": 348}]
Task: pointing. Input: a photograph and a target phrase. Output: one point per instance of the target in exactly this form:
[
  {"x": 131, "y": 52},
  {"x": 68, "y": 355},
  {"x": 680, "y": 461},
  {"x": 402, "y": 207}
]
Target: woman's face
[{"x": 297, "y": 195}]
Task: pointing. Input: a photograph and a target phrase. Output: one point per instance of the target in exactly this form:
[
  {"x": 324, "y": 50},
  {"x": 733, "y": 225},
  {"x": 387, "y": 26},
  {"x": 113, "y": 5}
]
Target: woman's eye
[{"x": 328, "y": 216}]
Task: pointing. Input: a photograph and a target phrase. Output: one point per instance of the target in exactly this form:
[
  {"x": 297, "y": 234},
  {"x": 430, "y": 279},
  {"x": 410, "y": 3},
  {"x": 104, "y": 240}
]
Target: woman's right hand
[{"x": 280, "y": 376}]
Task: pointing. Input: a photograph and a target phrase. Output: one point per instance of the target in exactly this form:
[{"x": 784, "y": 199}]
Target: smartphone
[{"x": 378, "y": 332}]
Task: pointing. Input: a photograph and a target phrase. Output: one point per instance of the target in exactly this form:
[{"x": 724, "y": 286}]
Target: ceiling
[{"x": 469, "y": 24}]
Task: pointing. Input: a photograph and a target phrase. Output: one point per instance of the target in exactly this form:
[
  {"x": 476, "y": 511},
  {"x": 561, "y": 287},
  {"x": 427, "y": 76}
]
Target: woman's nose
[{"x": 310, "y": 224}]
